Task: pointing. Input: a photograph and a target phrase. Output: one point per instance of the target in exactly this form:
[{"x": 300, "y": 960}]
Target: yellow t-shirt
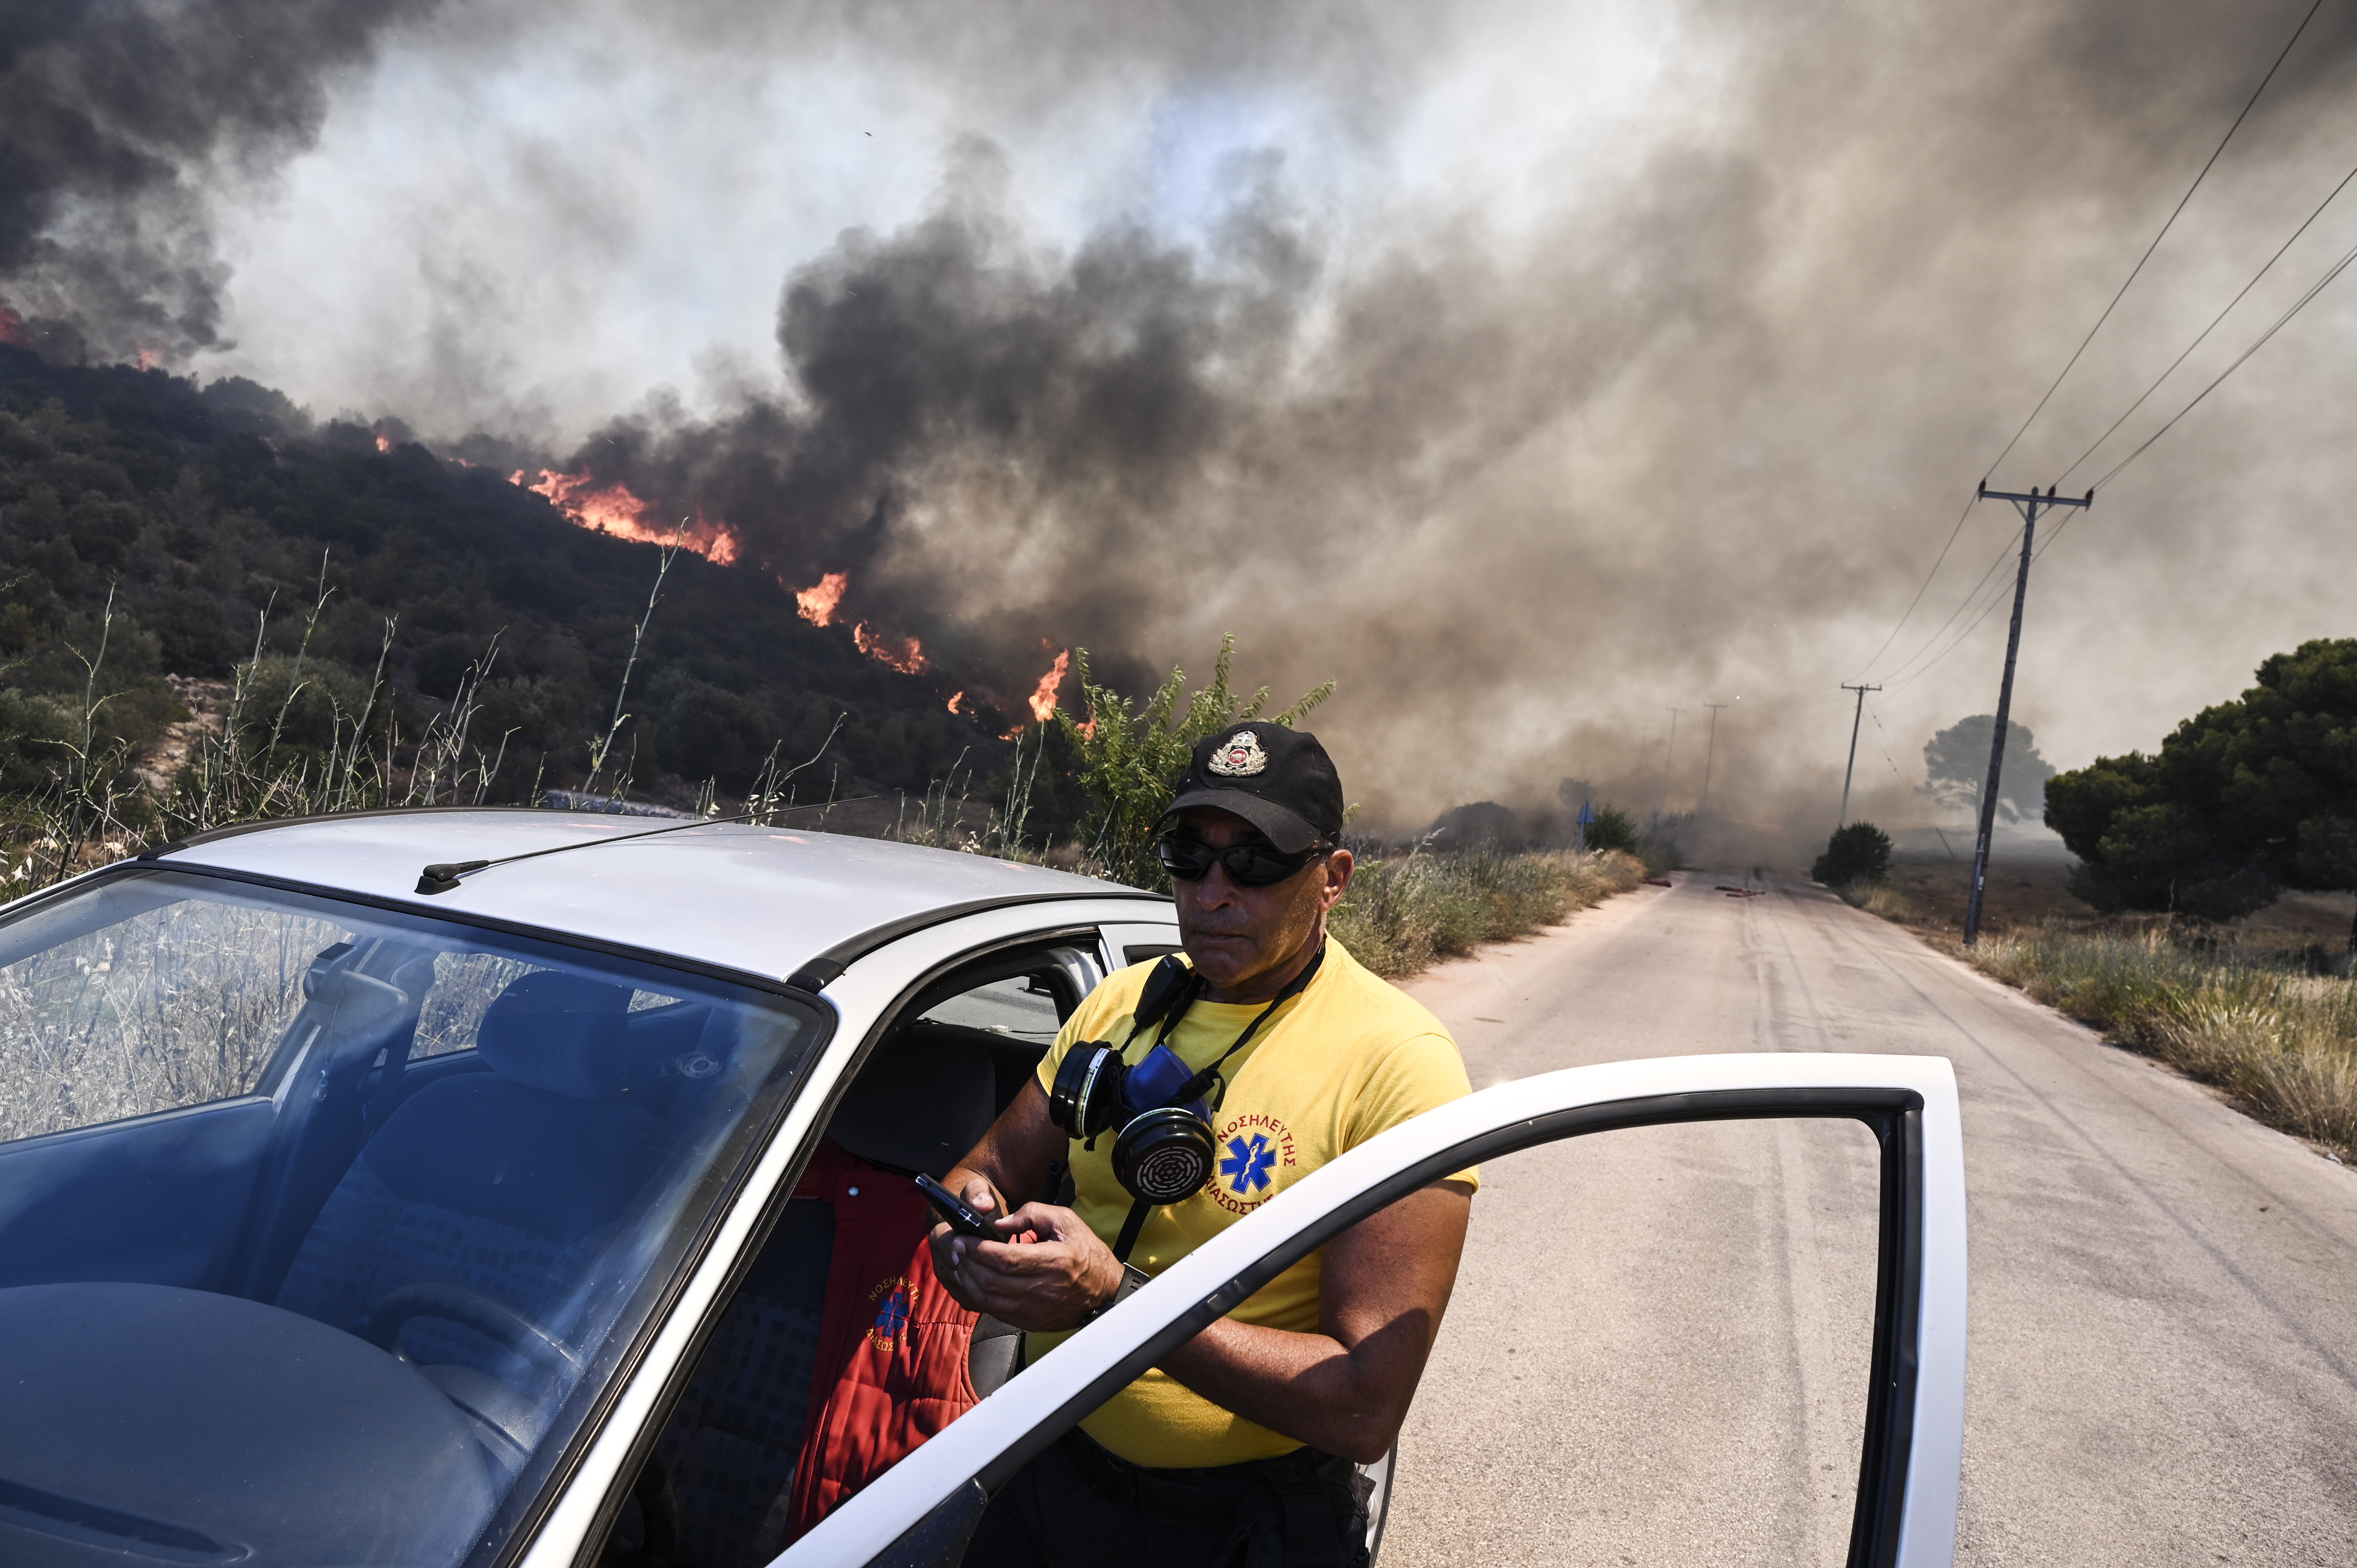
[{"x": 1347, "y": 1058}]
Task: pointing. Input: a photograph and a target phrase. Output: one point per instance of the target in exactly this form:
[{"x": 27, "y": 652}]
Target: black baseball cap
[{"x": 1279, "y": 780}]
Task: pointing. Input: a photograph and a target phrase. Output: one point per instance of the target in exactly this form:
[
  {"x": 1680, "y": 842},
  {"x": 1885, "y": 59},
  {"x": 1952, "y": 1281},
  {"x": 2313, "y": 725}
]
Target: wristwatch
[{"x": 1132, "y": 1276}]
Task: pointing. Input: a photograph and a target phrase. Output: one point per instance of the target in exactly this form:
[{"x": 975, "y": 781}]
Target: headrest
[
  {"x": 560, "y": 1032},
  {"x": 919, "y": 1105}
]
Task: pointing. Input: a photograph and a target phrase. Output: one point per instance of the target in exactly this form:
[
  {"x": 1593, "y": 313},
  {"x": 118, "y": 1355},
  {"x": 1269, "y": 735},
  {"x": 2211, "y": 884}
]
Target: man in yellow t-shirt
[{"x": 1238, "y": 1446}]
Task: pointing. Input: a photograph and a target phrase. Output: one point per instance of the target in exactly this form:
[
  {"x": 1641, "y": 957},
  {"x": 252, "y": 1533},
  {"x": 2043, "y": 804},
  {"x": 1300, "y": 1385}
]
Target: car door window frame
[{"x": 1907, "y": 1476}]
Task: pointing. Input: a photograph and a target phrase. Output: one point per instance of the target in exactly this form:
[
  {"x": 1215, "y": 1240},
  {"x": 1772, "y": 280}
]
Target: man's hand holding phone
[
  {"x": 1038, "y": 1267},
  {"x": 962, "y": 1221}
]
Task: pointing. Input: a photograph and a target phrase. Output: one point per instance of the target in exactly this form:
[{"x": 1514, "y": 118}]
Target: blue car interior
[
  {"x": 253, "y": 1260},
  {"x": 502, "y": 1182},
  {"x": 718, "y": 1489},
  {"x": 323, "y": 1321}
]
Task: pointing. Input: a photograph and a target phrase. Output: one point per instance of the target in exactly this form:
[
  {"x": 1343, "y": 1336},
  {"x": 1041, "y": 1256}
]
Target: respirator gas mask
[{"x": 1164, "y": 1148}]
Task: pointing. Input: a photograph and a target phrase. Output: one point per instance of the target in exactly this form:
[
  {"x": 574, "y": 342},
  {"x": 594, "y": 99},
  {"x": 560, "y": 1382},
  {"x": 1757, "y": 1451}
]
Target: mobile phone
[{"x": 961, "y": 1215}]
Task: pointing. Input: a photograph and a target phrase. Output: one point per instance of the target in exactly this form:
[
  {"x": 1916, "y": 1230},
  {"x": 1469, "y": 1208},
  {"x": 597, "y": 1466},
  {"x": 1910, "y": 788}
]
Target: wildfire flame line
[
  {"x": 901, "y": 653},
  {"x": 1043, "y": 697},
  {"x": 612, "y": 508},
  {"x": 818, "y": 601}
]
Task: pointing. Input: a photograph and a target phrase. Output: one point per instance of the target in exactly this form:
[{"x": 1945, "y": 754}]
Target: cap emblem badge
[{"x": 1239, "y": 756}]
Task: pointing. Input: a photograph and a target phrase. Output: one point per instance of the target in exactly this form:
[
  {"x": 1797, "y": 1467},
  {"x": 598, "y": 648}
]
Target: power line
[
  {"x": 2298, "y": 306},
  {"x": 2214, "y": 320},
  {"x": 1988, "y": 603},
  {"x": 1972, "y": 596},
  {"x": 1882, "y": 744},
  {"x": 2098, "y": 326},
  {"x": 1902, "y": 675},
  {"x": 2156, "y": 238},
  {"x": 1920, "y": 590}
]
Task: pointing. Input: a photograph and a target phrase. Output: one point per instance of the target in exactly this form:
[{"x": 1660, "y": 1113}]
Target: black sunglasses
[{"x": 1248, "y": 864}]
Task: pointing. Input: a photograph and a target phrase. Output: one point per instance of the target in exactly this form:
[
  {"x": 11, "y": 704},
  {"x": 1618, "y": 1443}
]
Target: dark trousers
[{"x": 1080, "y": 1506}]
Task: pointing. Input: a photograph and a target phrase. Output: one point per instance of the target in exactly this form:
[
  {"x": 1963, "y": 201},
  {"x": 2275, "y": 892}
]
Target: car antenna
[{"x": 444, "y": 877}]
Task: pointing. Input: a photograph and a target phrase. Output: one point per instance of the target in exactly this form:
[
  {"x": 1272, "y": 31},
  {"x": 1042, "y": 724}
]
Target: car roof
[{"x": 760, "y": 899}]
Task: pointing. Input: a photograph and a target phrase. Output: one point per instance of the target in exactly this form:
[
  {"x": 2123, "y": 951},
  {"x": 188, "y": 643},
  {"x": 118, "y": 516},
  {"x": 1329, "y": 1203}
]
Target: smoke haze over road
[{"x": 1529, "y": 368}]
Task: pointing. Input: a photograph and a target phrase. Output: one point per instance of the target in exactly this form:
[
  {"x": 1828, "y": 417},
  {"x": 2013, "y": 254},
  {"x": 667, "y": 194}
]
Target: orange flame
[
  {"x": 1043, "y": 698},
  {"x": 899, "y": 654},
  {"x": 384, "y": 443},
  {"x": 955, "y": 698},
  {"x": 817, "y": 602},
  {"x": 612, "y": 508},
  {"x": 149, "y": 356}
]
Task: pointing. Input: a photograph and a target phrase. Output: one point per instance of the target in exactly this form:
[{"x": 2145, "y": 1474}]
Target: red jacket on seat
[{"x": 892, "y": 1346}]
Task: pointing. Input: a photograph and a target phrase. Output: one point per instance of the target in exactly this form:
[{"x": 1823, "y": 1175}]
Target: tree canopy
[
  {"x": 2243, "y": 801},
  {"x": 1955, "y": 761}
]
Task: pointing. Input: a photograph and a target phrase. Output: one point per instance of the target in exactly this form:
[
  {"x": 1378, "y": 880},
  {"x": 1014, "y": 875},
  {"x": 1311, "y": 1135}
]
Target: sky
[{"x": 1532, "y": 371}]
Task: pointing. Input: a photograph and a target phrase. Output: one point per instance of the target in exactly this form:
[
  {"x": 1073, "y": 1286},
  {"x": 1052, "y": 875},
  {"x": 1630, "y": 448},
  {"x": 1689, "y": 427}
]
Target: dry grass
[
  {"x": 170, "y": 1006},
  {"x": 1406, "y": 914},
  {"x": 2258, "y": 1020},
  {"x": 1887, "y": 899}
]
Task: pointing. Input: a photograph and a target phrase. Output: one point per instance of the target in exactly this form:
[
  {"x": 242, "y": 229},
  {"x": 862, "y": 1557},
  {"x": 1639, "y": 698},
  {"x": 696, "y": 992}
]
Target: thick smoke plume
[
  {"x": 117, "y": 121},
  {"x": 1530, "y": 395}
]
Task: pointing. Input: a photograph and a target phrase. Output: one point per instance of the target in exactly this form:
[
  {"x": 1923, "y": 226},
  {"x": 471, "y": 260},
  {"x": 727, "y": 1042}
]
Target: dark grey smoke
[
  {"x": 117, "y": 119},
  {"x": 1493, "y": 486},
  {"x": 1098, "y": 447},
  {"x": 1524, "y": 453}
]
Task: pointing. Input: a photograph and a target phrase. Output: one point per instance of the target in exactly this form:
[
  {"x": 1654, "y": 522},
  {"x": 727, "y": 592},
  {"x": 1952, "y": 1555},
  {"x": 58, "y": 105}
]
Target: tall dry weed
[
  {"x": 1405, "y": 914},
  {"x": 2257, "y": 1022}
]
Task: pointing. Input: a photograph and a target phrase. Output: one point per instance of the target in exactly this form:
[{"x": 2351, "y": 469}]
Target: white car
[{"x": 365, "y": 1203}]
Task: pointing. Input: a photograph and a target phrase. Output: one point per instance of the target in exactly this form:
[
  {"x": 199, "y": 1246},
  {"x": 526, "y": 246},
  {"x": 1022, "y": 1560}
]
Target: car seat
[
  {"x": 840, "y": 1353},
  {"x": 501, "y": 1184}
]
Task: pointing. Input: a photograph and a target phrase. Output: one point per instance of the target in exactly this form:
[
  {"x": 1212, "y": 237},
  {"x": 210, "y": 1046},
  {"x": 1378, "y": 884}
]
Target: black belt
[{"x": 1277, "y": 1500}]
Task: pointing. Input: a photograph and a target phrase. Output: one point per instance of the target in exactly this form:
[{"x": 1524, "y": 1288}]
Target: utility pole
[
  {"x": 1662, "y": 798},
  {"x": 1709, "y": 752},
  {"x": 2029, "y": 506},
  {"x": 1856, "y": 719}
]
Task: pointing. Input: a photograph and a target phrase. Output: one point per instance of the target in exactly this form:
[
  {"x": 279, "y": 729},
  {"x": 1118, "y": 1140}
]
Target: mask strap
[
  {"x": 1202, "y": 1080},
  {"x": 1129, "y": 1230}
]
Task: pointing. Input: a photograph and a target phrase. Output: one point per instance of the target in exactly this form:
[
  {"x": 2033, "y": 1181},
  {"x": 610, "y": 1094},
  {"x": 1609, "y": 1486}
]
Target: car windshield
[{"x": 322, "y": 1226}]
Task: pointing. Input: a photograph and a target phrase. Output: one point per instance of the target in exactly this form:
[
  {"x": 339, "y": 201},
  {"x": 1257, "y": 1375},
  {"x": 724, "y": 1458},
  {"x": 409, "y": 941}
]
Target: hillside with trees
[{"x": 170, "y": 534}]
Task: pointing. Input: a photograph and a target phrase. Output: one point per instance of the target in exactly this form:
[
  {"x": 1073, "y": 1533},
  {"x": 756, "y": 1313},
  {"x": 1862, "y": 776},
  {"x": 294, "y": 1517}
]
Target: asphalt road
[{"x": 1656, "y": 1351}]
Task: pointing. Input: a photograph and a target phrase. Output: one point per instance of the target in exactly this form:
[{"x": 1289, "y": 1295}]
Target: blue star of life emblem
[
  {"x": 1246, "y": 1166},
  {"x": 893, "y": 1316}
]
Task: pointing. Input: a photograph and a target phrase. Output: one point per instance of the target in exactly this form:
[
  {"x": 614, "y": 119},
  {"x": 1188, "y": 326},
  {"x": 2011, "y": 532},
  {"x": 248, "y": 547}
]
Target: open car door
[{"x": 921, "y": 1513}]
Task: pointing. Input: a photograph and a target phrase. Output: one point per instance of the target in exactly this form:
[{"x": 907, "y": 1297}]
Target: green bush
[
  {"x": 1614, "y": 829},
  {"x": 1859, "y": 853},
  {"x": 1131, "y": 759}
]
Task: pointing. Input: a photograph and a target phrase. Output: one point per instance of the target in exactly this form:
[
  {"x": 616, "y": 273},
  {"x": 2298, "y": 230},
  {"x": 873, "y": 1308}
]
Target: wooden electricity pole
[
  {"x": 2029, "y": 506},
  {"x": 1669, "y": 757},
  {"x": 1708, "y": 753},
  {"x": 1856, "y": 719}
]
